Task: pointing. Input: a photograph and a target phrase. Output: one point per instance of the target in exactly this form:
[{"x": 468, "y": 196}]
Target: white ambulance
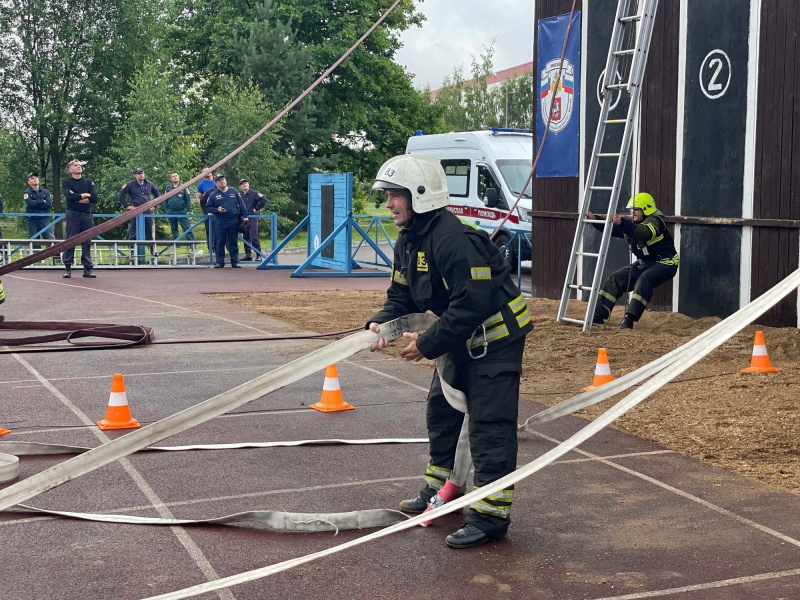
[{"x": 485, "y": 174}]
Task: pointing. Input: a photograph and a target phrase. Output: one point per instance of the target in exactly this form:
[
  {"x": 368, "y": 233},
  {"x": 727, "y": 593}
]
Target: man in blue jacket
[
  {"x": 139, "y": 191},
  {"x": 227, "y": 206},
  {"x": 38, "y": 202},
  {"x": 204, "y": 186}
]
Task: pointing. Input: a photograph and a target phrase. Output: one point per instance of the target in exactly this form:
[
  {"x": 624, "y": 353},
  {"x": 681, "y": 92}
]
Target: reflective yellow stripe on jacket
[
  {"x": 397, "y": 277},
  {"x": 496, "y": 327}
]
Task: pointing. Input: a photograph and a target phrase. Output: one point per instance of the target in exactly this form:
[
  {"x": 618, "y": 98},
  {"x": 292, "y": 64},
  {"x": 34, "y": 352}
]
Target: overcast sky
[{"x": 456, "y": 30}]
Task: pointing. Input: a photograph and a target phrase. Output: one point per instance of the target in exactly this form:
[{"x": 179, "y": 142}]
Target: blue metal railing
[{"x": 140, "y": 242}]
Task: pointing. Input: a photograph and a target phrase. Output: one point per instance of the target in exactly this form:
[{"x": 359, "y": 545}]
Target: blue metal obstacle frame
[{"x": 330, "y": 226}]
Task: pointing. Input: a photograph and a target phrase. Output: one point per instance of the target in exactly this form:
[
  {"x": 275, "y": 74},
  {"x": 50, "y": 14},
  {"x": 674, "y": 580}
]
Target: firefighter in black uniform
[
  {"x": 657, "y": 263},
  {"x": 454, "y": 270}
]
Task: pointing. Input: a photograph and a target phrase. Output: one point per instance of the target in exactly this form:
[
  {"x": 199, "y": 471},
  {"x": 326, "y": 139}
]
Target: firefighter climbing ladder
[{"x": 627, "y": 57}]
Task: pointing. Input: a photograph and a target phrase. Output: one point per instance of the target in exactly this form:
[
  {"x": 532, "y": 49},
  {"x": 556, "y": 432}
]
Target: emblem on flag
[{"x": 558, "y": 92}]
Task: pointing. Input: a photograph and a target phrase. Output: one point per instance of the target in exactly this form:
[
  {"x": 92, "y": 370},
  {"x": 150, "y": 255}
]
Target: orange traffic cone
[
  {"x": 118, "y": 414},
  {"x": 331, "y": 399},
  {"x": 602, "y": 372},
  {"x": 759, "y": 363}
]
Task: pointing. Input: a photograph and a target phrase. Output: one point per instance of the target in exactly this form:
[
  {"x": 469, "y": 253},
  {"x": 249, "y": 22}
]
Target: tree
[
  {"x": 67, "y": 67},
  {"x": 154, "y": 136},
  {"x": 521, "y": 103},
  {"x": 238, "y": 111},
  {"x": 468, "y": 105},
  {"x": 358, "y": 117}
]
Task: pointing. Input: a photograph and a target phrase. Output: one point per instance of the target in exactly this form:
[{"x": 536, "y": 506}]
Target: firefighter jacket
[
  {"x": 454, "y": 271},
  {"x": 649, "y": 240}
]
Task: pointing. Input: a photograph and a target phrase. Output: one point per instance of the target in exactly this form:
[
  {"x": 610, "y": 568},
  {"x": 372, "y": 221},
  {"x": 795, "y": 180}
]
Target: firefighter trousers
[
  {"x": 640, "y": 277},
  {"x": 491, "y": 386}
]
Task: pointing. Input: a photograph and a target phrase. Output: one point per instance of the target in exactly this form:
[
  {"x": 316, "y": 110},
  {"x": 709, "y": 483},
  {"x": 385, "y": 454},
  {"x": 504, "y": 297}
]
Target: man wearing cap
[
  {"x": 139, "y": 191},
  {"x": 226, "y": 205},
  {"x": 79, "y": 194},
  {"x": 203, "y": 188},
  {"x": 254, "y": 201},
  {"x": 38, "y": 203},
  {"x": 179, "y": 204}
]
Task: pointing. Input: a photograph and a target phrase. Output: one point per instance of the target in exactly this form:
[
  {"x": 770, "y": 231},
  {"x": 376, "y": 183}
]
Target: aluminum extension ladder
[{"x": 627, "y": 55}]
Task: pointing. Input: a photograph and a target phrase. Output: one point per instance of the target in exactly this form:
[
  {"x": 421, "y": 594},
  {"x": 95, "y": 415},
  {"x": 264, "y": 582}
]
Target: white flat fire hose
[
  {"x": 277, "y": 520},
  {"x": 213, "y": 407},
  {"x": 665, "y": 369},
  {"x": 723, "y": 332}
]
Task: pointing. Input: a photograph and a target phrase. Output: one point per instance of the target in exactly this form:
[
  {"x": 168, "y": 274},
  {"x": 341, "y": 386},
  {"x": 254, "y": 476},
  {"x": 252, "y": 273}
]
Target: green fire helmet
[
  {"x": 420, "y": 174},
  {"x": 643, "y": 201}
]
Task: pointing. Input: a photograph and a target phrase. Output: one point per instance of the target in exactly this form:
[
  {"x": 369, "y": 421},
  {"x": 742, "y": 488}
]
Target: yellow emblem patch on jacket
[
  {"x": 422, "y": 262},
  {"x": 25, "y": 197}
]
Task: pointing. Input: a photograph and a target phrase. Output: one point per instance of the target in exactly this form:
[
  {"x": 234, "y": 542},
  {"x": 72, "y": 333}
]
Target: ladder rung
[
  {"x": 600, "y": 188},
  {"x": 624, "y": 52},
  {"x": 618, "y": 86},
  {"x": 630, "y": 19},
  {"x": 575, "y": 321},
  {"x": 589, "y": 254},
  {"x": 609, "y": 154},
  {"x": 615, "y": 121},
  {"x": 577, "y": 286}
]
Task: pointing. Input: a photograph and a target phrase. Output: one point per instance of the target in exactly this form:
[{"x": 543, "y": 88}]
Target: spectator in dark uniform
[
  {"x": 79, "y": 194},
  {"x": 179, "y": 204},
  {"x": 227, "y": 206},
  {"x": 38, "y": 202},
  {"x": 254, "y": 201},
  {"x": 139, "y": 191}
]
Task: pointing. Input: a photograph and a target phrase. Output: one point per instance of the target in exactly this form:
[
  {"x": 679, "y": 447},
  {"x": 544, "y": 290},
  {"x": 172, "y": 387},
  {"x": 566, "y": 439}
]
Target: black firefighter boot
[
  {"x": 627, "y": 322},
  {"x": 67, "y": 271},
  {"x": 87, "y": 272}
]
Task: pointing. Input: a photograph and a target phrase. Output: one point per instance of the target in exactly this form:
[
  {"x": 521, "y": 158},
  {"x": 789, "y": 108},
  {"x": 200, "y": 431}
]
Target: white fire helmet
[{"x": 420, "y": 174}]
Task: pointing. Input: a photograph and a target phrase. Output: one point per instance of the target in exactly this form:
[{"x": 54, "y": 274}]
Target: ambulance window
[
  {"x": 486, "y": 180},
  {"x": 457, "y": 172}
]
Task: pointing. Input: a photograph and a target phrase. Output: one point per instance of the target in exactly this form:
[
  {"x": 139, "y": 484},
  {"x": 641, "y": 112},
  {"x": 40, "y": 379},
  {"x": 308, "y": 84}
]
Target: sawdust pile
[{"x": 747, "y": 423}]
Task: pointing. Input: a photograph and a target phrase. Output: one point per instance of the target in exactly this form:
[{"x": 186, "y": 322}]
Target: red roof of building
[{"x": 500, "y": 76}]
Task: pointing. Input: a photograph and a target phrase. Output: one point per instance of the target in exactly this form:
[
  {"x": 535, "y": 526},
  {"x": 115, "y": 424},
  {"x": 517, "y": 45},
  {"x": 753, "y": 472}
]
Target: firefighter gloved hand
[{"x": 442, "y": 497}]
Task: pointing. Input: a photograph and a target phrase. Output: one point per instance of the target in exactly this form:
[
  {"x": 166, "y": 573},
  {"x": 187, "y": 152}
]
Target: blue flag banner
[{"x": 561, "y": 94}]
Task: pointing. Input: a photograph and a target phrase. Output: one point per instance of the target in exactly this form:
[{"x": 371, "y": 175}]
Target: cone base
[
  {"x": 4, "y": 431},
  {"x": 760, "y": 370},
  {"x": 596, "y": 384},
  {"x": 105, "y": 424},
  {"x": 326, "y": 408}
]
